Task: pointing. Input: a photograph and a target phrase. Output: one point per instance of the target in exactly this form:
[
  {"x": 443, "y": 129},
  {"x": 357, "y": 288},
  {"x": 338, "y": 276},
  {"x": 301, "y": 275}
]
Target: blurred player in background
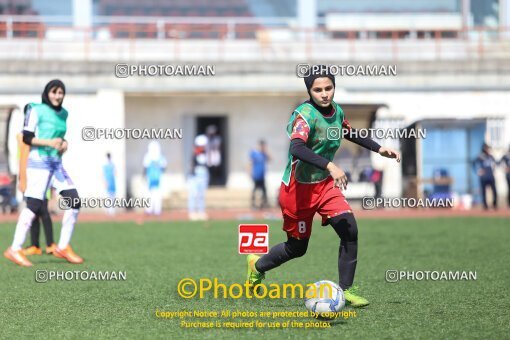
[
  {"x": 312, "y": 183},
  {"x": 214, "y": 157},
  {"x": 259, "y": 157},
  {"x": 484, "y": 166},
  {"x": 198, "y": 180},
  {"x": 505, "y": 160},
  {"x": 109, "y": 180},
  {"x": 44, "y": 131},
  {"x": 7, "y": 193},
  {"x": 154, "y": 164}
]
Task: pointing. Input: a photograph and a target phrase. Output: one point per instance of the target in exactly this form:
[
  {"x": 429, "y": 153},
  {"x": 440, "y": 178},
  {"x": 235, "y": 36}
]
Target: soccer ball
[{"x": 325, "y": 298}]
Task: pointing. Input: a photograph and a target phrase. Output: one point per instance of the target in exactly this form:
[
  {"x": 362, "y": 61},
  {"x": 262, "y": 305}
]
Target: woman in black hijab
[{"x": 44, "y": 130}]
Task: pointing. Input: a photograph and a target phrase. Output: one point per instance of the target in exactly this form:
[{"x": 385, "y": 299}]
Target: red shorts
[{"x": 299, "y": 203}]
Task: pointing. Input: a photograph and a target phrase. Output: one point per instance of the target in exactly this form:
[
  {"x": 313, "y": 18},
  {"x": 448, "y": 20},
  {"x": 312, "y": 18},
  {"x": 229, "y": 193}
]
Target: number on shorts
[{"x": 302, "y": 227}]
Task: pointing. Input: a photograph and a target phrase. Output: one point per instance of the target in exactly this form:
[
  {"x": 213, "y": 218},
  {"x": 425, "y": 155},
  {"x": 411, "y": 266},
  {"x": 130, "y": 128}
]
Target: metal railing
[{"x": 262, "y": 36}]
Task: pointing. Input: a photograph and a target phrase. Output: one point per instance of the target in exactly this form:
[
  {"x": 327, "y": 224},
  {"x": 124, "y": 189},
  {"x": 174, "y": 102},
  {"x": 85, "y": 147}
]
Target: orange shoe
[
  {"x": 32, "y": 250},
  {"x": 17, "y": 257},
  {"x": 67, "y": 254},
  {"x": 51, "y": 249}
]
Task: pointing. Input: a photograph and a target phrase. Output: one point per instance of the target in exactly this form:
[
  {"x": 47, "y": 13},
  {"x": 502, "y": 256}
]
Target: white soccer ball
[{"x": 325, "y": 298}]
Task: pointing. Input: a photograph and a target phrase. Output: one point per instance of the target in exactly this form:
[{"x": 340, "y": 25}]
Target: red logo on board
[{"x": 253, "y": 239}]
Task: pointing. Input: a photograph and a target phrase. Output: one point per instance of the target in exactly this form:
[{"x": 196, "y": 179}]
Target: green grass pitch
[{"x": 157, "y": 255}]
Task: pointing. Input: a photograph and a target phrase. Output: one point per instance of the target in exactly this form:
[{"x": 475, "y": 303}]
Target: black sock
[
  {"x": 346, "y": 228},
  {"x": 281, "y": 253},
  {"x": 47, "y": 224},
  {"x": 347, "y": 260},
  {"x": 35, "y": 231}
]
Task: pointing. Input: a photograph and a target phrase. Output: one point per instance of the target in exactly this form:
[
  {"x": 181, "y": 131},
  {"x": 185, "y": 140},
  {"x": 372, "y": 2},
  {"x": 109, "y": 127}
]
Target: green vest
[
  {"x": 320, "y": 129},
  {"x": 50, "y": 124}
]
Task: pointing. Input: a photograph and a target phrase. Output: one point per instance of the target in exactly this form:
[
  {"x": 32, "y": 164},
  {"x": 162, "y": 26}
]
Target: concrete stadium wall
[
  {"x": 247, "y": 124},
  {"x": 250, "y": 118},
  {"x": 257, "y": 99}
]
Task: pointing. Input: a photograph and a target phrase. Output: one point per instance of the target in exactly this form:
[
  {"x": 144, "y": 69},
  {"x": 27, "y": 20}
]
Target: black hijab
[
  {"x": 323, "y": 71},
  {"x": 46, "y": 100}
]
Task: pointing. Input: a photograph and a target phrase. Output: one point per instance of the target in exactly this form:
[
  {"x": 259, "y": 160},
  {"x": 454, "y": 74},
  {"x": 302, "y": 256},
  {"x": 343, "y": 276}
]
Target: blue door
[{"x": 453, "y": 145}]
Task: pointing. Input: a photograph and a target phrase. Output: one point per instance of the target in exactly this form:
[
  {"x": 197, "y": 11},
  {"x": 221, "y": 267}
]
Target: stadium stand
[
  {"x": 179, "y": 8},
  {"x": 20, "y": 29},
  {"x": 16, "y": 7}
]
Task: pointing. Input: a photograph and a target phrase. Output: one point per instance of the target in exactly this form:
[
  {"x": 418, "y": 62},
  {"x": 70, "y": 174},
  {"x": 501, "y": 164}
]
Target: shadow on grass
[{"x": 335, "y": 323}]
